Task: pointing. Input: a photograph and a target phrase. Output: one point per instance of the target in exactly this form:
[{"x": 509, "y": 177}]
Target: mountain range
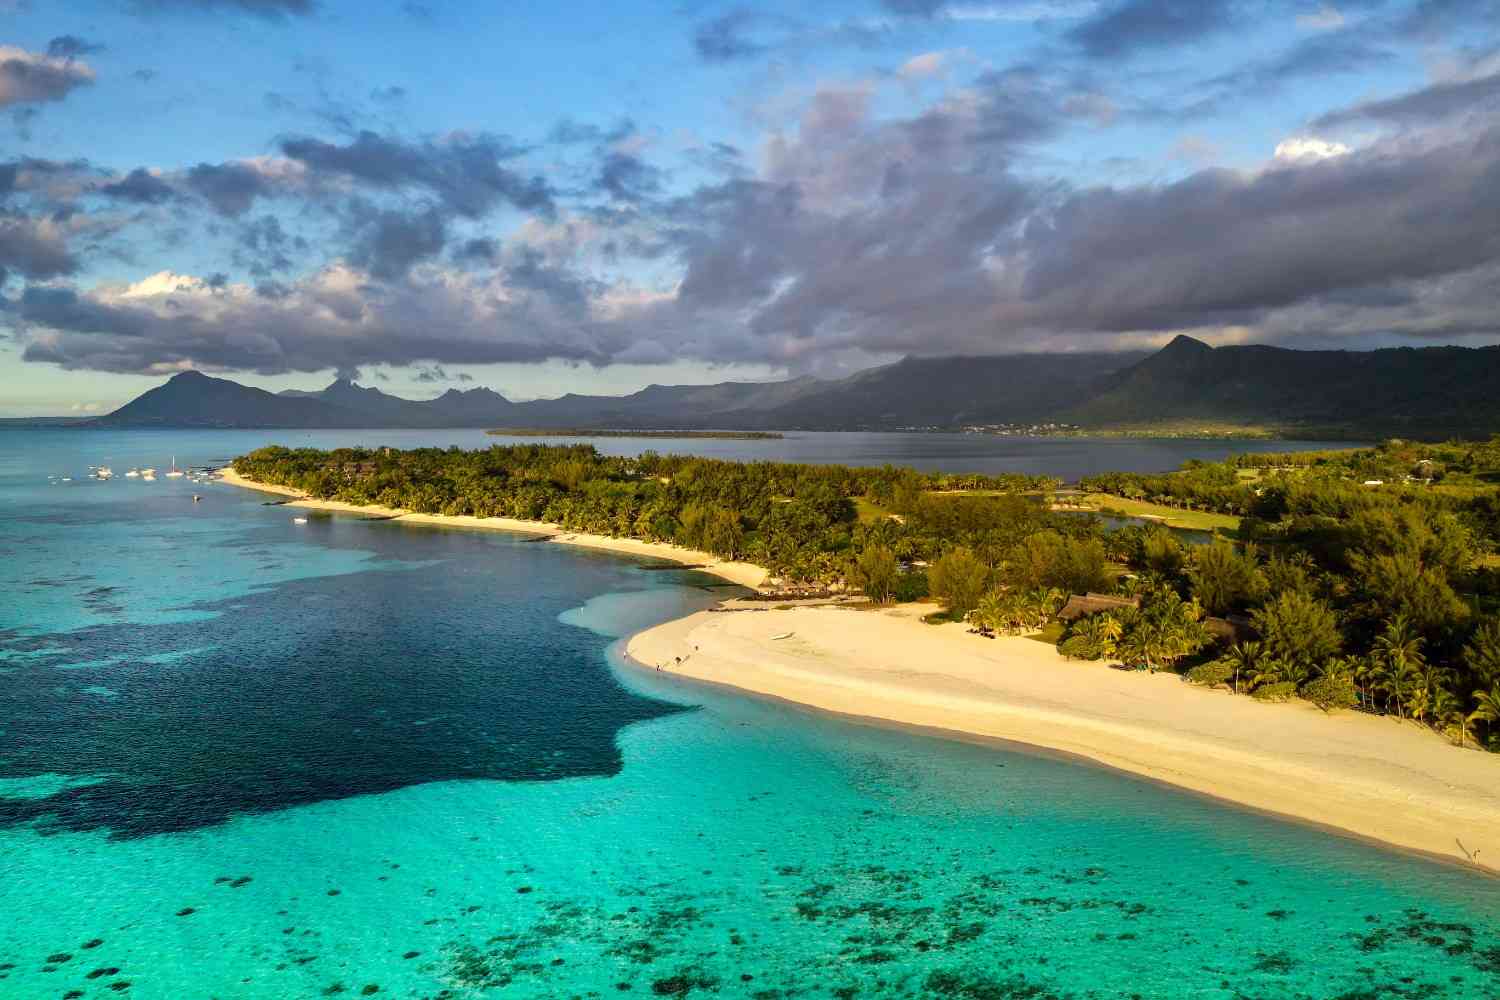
[{"x": 1413, "y": 392}]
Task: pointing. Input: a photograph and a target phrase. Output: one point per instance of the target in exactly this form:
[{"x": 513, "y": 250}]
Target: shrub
[
  {"x": 1080, "y": 647},
  {"x": 1212, "y": 673},
  {"x": 875, "y": 573},
  {"x": 1282, "y": 691},
  {"x": 958, "y": 578},
  {"x": 911, "y": 586},
  {"x": 1331, "y": 692}
]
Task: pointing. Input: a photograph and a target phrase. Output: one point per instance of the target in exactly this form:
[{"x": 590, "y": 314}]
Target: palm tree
[
  {"x": 1246, "y": 659},
  {"x": 1401, "y": 649},
  {"x": 1449, "y": 711},
  {"x": 1488, "y": 707}
]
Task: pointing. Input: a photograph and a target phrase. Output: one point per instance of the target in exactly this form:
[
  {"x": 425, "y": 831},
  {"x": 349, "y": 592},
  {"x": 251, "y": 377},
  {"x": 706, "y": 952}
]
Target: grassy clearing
[
  {"x": 1051, "y": 635},
  {"x": 869, "y": 512},
  {"x": 1196, "y": 520}
]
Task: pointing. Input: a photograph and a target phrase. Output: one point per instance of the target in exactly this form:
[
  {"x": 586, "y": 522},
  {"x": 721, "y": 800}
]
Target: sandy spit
[
  {"x": 1375, "y": 778},
  {"x": 744, "y": 574},
  {"x": 1379, "y": 779}
]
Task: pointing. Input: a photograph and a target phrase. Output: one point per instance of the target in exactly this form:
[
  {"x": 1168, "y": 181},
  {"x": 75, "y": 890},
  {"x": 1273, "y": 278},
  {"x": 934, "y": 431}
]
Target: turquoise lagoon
[{"x": 242, "y": 758}]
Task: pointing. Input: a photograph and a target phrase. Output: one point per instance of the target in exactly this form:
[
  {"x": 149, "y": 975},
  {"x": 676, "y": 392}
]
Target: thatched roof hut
[
  {"x": 1232, "y": 629},
  {"x": 1080, "y": 605}
]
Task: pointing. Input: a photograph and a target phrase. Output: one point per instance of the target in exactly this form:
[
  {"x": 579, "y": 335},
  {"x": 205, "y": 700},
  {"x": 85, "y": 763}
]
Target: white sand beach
[
  {"x": 744, "y": 574},
  {"x": 1377, "y": 778},
  {"x": 1373, "y": 777}
]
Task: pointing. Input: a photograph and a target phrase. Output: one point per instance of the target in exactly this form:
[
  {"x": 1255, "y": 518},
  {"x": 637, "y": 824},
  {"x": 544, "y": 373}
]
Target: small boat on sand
[{"x": 783, "y": 635}]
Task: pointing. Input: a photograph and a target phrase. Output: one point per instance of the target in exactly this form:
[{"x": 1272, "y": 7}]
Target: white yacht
[
  {"x": 133, "y": 474},
  {"x": 176, "y": 473},
  {"x": 103, "y": 472}
]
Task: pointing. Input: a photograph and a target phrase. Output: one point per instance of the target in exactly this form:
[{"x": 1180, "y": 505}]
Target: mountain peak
[
  {"x": 191, "y": 375},
  {"x": 1183, "y": 344}
]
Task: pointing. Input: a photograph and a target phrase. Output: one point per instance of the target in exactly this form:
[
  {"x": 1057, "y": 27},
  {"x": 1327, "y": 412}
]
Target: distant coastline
[
  {"x": 581, "y": 432},
  {"x": 1378, "y": 779},
  {"x": 741, "y": 573}
]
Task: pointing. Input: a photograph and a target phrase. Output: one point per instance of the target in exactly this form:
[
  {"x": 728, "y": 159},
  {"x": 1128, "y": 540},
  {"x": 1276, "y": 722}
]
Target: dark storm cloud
[
  {"x": 463, "y": 171},
  {"x": 1126, "y": 27},
  {"x": 1424, "y": 105},
  {"x": 140, "y": 186},
  {"x": 1239, "y": 245},
  {"x": 71, "y": 47}
]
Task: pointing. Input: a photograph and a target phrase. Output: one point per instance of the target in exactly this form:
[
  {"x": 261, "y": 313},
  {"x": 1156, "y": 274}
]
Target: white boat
[
  {"x": 176, "y": 473},
  {"x": 103, "y": 472},
  {"x": 149, "y": 476},
  {"x": 67, "y": 479},
  {"x": 299, "y": 520},
  {"x": 133, "y": 474}
]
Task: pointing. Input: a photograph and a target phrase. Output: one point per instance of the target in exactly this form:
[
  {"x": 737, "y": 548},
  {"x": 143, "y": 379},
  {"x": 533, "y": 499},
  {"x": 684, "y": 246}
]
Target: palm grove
[{"x": 1360, "y": 579}]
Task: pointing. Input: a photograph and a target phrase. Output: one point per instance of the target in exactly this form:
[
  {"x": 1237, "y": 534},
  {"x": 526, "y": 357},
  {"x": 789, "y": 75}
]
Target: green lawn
[
  {"x": 1196, "y": 520},
  {"x": 1050, "y": 635},
  {"x": 869, "y": 512}
]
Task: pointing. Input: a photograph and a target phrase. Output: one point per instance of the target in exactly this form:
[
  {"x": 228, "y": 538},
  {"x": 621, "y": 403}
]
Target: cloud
[
  {"x": 437, "y": 374},
  {"x": 36, "y": 248},
  {"x": 71, "y": 47},
  {"x": 338, "y": 317},
  {"x": 1325, "y": 18},
  {"x": 390, "y": 241},
  {"x": 1131, "y": 26},
  {"x": 141, "y": 186},
  {"x": 1244, "y": 244},
  {"x": 33, "y": 78},
  {"x": 462, "y": 171},
  {"x": 269, "y": 9},
  {"x": 926, "y": 66},
  {"x": 726, "y": 38},
  {"x": 231, "y": 188},
  {"x": 627, "y": 178},
  {"x": 1423, "y": 105},
  {"x": 1303, "y": 148}
]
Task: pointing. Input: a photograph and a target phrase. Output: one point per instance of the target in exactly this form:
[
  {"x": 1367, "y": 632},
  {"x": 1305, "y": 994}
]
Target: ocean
[{"x": 245, "y": 758}]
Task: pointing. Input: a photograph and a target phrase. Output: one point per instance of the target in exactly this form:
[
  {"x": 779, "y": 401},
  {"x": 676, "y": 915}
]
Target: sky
[{"x": 585, "y": 197}]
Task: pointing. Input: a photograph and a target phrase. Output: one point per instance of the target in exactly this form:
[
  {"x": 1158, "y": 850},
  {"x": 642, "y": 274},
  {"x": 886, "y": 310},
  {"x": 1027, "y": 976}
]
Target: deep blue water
[
  {"x": 1066, "y": 458},
  {"x": 245, "y": 758}
]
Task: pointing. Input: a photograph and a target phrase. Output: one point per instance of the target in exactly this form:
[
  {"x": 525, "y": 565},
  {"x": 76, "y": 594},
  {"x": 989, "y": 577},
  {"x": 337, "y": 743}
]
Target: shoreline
[
  {"x": 1351, "y": 774},
  {"x": 741, "y": 573}
]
